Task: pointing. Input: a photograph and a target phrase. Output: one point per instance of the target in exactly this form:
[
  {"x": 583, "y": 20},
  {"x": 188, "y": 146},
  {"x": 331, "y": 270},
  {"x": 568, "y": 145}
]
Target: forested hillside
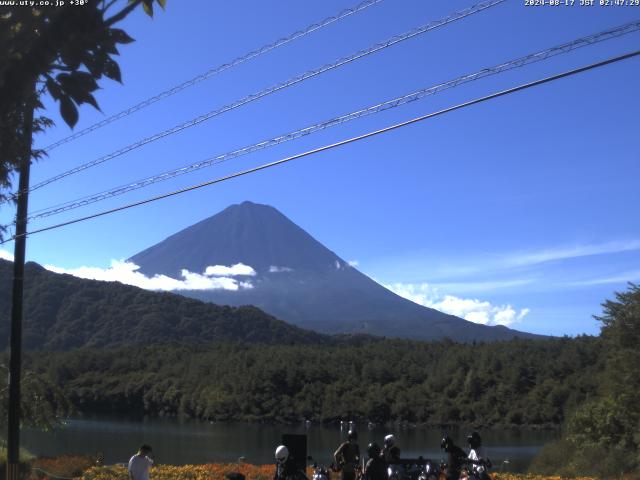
[
  {"x": 62, "y": 312},
  {"x": 521, "y": 382},
  {"x": 601, "y": 437}
]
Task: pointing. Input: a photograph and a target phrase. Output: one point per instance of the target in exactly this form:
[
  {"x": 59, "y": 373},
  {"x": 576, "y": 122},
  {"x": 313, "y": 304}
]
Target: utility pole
[{"x": 15, "y": 362}]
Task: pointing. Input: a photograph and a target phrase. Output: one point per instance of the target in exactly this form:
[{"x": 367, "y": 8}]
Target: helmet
[
  {"x": 389, "y": 440},
  {"x": 373, "y": 450},
  {"x": 282, "y": 453},
  {"x": 446, "y": 443},
  {"x": 474, "y": 440},
  {"x": 352, "y": 435}
]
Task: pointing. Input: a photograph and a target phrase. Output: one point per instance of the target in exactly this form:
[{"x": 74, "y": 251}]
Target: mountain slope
[
  {"x": 256, "y": 235},
  {"x": 299, "y": 280},
  {"x": 63, "y": 312}
]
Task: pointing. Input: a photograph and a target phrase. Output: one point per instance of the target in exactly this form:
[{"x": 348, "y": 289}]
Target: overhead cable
[
  {"x": 214, "y": 71},
  {"x": 389, "y": 104},
  {"x": 268, "y": 91},
  {"x": 341, "y": 143}
]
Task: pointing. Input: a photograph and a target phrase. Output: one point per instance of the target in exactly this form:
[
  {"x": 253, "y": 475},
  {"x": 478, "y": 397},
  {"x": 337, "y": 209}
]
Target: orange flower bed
[
  {"x": 217, "y": 471},
  {"x": 65, "y": 466},
  {"x": 526, "y": 476},
  {"x": 213, "y": 471}
]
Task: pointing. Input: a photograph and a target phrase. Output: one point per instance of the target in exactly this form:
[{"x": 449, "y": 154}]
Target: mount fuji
[{"x": 297, "y": 279}]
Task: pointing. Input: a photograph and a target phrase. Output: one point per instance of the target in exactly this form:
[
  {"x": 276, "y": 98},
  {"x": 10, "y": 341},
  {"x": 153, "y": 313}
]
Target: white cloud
[
  {"x": 474, "y": 310},
  {"x": 445, "y": 270},
  {"x": 232, "y": 271},
  {"x": 276, "y": 269},
  {"x": 6, "y": 255},
  {"x": 353, "y": 263},
  {"x": 127, "y": 273},
  {"x": 562, "y": 253},
  {"x": 625, "y": 277},
  {"x": 474, "y": 287}
]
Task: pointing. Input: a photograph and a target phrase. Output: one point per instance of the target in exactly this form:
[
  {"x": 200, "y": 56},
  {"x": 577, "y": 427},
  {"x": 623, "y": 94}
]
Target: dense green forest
[
  {"x": 602, "y": 437},
  {"x": 63, "y": 312},
  {"x": 521, "y": 382}
]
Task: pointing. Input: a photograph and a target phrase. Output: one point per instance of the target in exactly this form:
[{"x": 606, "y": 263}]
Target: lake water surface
[{"x": 183, "y": 442}]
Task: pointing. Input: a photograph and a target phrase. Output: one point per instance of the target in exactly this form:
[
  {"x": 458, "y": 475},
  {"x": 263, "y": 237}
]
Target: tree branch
[
  {"x": 123, "y": 13},
  {"x": 108, "y": 5}
]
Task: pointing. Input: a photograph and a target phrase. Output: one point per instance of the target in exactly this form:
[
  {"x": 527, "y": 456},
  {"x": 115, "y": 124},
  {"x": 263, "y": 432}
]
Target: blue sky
[{"x": 521, "y": 208}]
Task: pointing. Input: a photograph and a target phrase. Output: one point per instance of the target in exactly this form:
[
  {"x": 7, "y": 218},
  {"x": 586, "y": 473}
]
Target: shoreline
[{"x": 362, "y": 424}]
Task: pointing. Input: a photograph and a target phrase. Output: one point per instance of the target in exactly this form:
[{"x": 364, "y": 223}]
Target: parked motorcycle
[
  {"x": 413, "y": 469},
  {"x": 429, "y": 471},
  {"x": 396, "y": 472},
  {"x": 320, "y": 472}
]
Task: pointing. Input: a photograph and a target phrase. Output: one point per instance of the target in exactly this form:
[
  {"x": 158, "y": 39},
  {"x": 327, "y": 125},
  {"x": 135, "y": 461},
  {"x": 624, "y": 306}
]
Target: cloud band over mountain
[
  {"x": 473, "y": 310},
  {"x": 214, "y": 277}
]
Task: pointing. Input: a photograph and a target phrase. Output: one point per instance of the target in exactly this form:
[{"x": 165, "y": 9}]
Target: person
[
  {"x": 285, "y": 466},
  {"x": 347, "y": 456},
  {"x": 456, "y": 457},
  {"x": 139, "y": 464},
  {"x": 478, "y": 457},
  {"x": 390, "y": 451},
  {"x": 376, "y": 468}
]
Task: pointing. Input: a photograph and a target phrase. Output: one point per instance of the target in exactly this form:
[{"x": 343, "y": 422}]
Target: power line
[
  {"x": 214, "y": 71},
  {"x": 389, "y": 104},
  {"x": 268, "y": 91},
  {"x": 342, "y": 142}
]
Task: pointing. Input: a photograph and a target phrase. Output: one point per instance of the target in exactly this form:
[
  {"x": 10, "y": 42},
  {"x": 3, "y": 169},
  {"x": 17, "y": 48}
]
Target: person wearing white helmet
[
  {"x": 282, "y": 454},
  {"x": 390, "y": 452},
  {"x": 285, "y": 467}
]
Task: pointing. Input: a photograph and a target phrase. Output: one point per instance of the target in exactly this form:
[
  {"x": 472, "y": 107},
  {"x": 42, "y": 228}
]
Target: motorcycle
[
  {"x": 429, "y": 471},
  {"x": 413, "y": 469},
  {"x": 470, "y": 475},
  {"x": 483, "y": 474},
  {"x": 320, "y": 472},
  {"x": 396, "y": 472},
  {"x": 466, "y": 473}
]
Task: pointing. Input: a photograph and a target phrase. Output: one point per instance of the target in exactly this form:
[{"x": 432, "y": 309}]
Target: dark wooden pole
[{"x": 15, "y": 362}]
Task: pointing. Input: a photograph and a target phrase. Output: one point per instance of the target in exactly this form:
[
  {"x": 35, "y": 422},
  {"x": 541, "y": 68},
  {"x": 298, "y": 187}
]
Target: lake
[{"x": 184, "y": 442}]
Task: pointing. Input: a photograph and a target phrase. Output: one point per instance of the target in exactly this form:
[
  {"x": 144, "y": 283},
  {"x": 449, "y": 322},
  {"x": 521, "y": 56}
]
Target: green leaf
[
  {"x": 90, "y": 99},
  {"x": 80, "y": 96},
  {"x": 85, "y": 80},
  {"x": 94, "y": 67},
  {"x": 109, "y": 46},
  {"x": 68, "y": 111},
  {"x": 162, "y": 3},
  {"x": 120, "y": 36},
  {"x": 64, "y": 80},
  {"x": 147, "y": 5},
  {"x": 53, "y": 88},
  {"x": 112, "y": 70},
  {"x": 71, "y": 87},
  {"x": 94, "y": 63},
  {"x": 71, "y": 56}
]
